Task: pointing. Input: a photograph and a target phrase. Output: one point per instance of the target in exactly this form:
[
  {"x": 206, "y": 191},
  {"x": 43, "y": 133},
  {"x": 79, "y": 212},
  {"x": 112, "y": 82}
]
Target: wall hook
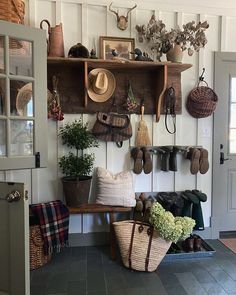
[{"x": 201, "y": 78}]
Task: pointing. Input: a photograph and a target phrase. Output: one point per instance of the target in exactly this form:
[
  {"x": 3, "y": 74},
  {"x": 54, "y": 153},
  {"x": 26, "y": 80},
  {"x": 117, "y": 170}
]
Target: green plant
[
  {"x": 169, "y": 227},
  {"x": 76, "y": 136}
]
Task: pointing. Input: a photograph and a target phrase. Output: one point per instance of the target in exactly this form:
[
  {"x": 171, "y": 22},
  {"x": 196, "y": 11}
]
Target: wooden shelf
[
  {"x": 149, "y": 81},
  {"x": 114, "y": 64}
]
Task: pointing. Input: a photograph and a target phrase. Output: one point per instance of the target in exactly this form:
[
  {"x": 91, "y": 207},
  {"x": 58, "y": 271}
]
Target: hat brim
[
  {"x": 111, "y": 85},
  {"x": 23, "y": 97}
]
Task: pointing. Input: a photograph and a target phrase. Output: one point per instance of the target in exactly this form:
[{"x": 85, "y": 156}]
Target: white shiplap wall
[{"x": 84, "y": 21}]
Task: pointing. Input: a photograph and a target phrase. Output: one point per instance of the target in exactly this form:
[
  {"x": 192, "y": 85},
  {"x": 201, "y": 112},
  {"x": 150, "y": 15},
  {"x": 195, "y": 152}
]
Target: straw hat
[
  {"x": 101, "y": 84},
  {"x": 24, "y": 95}
]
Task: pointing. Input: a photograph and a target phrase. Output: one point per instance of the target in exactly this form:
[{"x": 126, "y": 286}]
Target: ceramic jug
[{"x": 55, "y": 43}]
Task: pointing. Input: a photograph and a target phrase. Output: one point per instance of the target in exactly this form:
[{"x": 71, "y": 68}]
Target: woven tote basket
[
  {"x": 140, "y": 246},
  {"x": 12, "y": 11},
  {"x": 37, "y": 256},
  {"x": 201, "y": 101}
]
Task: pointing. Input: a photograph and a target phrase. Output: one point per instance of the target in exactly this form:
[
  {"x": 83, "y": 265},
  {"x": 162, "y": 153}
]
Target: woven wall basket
[
  {"x": 12, "y": 11},
  {"x": 201, "y": 101},
  {"x": 140, "y": 246},
  {"x": 37, "y": 256}
]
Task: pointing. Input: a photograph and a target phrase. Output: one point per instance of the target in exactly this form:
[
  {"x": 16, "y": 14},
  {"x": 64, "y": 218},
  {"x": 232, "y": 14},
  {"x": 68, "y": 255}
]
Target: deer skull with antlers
[{"x": 122, "y": 21}]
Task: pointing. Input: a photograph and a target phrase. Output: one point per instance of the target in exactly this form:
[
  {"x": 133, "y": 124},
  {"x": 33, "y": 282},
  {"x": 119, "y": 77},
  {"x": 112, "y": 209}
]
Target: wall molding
[{"x": 102, "y": 238}]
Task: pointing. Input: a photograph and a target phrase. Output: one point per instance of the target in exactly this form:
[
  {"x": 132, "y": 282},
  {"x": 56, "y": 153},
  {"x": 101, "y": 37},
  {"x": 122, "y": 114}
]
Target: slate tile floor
[{"x": 89, "y": 271}]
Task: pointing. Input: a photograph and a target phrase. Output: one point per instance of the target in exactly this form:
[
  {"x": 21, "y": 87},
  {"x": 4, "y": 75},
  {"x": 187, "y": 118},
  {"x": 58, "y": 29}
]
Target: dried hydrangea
[
  {"x": 169, "y": 227},
  {"x": 187, "y": 224}
]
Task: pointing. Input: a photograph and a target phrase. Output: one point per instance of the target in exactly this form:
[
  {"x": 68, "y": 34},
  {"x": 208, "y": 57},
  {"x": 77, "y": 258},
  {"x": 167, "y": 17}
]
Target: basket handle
[
  {"x": 202, "y": 81},
  {"x": 17, "y": 10},
  {"x": 37, "y": 240},
  {"x": 150, "y": 234}
]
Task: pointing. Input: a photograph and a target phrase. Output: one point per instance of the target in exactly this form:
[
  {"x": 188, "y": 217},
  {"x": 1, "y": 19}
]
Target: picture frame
[{"x": 123, "y": 47}]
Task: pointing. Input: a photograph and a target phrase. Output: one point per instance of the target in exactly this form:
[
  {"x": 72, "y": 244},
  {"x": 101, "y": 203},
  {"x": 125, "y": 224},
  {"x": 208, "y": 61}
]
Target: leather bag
[{"x": 112, "y": 127}]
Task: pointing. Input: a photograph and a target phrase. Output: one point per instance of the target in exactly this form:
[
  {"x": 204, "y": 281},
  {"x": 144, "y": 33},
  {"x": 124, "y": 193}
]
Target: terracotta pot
[
  {"x": 175, "y": 54},
  {"x": 76, "y": 191}
]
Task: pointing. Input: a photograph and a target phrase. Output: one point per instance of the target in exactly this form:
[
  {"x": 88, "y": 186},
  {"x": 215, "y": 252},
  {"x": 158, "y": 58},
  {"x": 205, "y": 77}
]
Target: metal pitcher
[{"x": 55, "y": 43}]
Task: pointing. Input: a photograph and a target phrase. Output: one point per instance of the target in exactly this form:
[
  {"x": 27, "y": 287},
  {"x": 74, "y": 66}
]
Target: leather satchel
[{"x": 112, "y": 127}]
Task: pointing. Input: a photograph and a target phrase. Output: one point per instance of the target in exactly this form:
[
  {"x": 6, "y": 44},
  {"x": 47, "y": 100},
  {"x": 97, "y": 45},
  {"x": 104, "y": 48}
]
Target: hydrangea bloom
[{"x": 169, "y": 227}]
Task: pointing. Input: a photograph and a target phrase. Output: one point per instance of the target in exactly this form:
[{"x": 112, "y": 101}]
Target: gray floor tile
[
  {"x": 224, "y": 280},
  {"x": 57, "y": 283},
  {"x": 136, "y": 291},
  {"x": 96, "y": 281},
  {"x": 38, "y": 290},
  {"x": 90, "y": 271},
  {"x": 76, "y": 288},
  {"x": 213, "y": 289},
  {"x": 203, "y": 276},
  {"x": 175, "y": 290},
  {"x": 190, "y": 283}
]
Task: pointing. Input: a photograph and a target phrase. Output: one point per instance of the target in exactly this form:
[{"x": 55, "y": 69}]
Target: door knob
[
  {"x": 13, "y": 197},
  {"x": 222, "y": 158}
]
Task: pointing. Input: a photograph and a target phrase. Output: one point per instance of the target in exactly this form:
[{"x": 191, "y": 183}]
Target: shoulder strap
[
  {"x": 150, "y": 233},
  {"x": 131, "y": 244},
  {"x": 170, "y": 101}
]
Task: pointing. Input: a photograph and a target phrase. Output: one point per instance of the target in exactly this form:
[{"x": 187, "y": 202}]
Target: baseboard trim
[
  {"x": 102, "y": 238},
  {"x": 89, "y": 239},
  {"x": 204, "y": 234}
]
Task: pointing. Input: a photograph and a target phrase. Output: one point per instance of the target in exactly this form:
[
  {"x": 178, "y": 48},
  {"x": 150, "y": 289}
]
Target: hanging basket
[
  {"x": 201, "y": 101},
  {"x": 12, "y": 11},
  {"x": 140, "y": 245}
]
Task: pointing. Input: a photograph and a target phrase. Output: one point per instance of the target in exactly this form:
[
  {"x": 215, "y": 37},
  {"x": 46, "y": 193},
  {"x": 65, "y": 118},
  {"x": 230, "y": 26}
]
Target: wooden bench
[{"x": 97, "y": 208}]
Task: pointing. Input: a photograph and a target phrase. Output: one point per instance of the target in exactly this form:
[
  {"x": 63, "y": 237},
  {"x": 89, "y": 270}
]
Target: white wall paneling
[{"x": 85, "y": 21}]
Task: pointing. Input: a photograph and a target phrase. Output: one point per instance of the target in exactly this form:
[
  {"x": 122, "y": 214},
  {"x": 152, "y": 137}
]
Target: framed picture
[{"x": 122, "y": 46}]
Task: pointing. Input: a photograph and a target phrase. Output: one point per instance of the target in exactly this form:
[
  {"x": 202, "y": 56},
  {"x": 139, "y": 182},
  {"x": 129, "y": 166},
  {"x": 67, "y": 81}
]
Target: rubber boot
[
  {"x": 178, "y": 203},
  {"x": 197, "y": 243},
  {"x": 165, "y": 200},
  {"x": 147, "y": 208},
  {"x": 165, "y": 157},
  {"x": 173, "y": 159}
]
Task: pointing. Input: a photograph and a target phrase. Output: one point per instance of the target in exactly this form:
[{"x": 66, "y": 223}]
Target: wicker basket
[
  {"x": 12, "y": 11},
  {"x": 201, "y": 101},
  {"x": 37, "y": 256},
  {"x": 140, "y": 246}
]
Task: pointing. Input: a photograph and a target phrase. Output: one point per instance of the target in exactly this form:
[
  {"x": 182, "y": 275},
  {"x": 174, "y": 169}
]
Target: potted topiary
[{"x": 77, "y": 166}]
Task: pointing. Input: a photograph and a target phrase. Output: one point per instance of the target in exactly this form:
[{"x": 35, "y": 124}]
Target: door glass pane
[
  {"x": 233, "y": 115},
  {"x": 2, "y": 138},
  {"x": 2, "y": 65},
  {"x": 20, "y": 57},
  {"x": 232, "y": 141},
  {"x": 21, "y": 98},
  {"x": 233, "y": 89},
  {"x": 21, "y": 137},
  {"x": 2, "y": 96}
]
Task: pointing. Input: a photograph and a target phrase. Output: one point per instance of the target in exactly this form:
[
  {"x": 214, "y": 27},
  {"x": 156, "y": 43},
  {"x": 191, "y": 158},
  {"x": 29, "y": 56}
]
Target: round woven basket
[
  {"x": 201, "y": 101},
  {"x": 12, "y": 11},
  {"x": 138, "y": 258}
]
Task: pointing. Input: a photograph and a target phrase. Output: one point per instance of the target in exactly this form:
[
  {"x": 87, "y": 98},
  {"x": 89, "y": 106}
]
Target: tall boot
[
  {"x": 173, "y": 159},
  {"x": 165, "y": 157}
]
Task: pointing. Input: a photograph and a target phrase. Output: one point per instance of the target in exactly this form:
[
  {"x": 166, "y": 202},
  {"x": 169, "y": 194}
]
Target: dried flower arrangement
[
  {"x": 191, "y": 37},
  {"x": 170, "y": 228}
]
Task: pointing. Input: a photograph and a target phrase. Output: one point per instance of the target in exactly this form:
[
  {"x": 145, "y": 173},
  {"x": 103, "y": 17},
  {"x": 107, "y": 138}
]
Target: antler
[
  {"x": 130, "y": 10},
  {"x": 116, "y": 13}
]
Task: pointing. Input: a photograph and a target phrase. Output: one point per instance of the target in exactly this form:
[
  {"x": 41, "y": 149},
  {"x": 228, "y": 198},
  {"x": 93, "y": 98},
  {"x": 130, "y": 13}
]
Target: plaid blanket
[{"x": 54, "y": 223}]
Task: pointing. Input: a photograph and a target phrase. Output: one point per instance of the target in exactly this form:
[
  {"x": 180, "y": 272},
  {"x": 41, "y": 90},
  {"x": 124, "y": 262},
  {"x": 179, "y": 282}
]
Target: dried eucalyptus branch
[{"x": 191, "y": 37}]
